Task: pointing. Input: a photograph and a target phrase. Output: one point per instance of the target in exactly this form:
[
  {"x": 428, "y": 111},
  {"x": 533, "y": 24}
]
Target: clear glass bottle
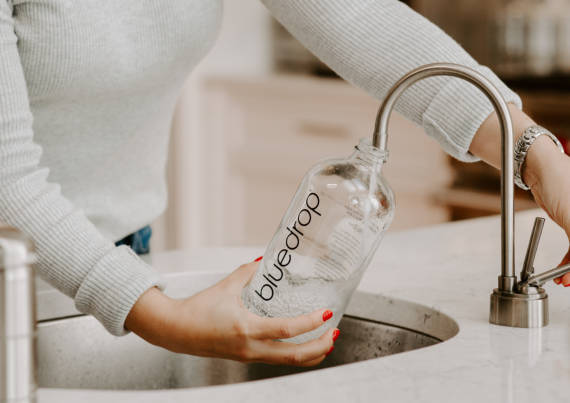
[{"x": 325, "y": 241}]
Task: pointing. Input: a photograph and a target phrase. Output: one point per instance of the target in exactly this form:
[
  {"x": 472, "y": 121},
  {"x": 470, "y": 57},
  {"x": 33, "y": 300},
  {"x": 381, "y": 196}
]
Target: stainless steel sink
[{"x": 78, "y": 353}]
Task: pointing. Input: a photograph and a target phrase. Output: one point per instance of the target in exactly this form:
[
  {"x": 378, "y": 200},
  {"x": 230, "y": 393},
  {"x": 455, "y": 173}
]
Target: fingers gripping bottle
[{"x": 325, "y": 241}]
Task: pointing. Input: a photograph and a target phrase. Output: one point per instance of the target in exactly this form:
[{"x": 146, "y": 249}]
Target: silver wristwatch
[{"x": 521, "y": 148}]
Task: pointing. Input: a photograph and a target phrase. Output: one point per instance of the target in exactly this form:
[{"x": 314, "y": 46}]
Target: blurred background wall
[{"x": 260, "y": 110}]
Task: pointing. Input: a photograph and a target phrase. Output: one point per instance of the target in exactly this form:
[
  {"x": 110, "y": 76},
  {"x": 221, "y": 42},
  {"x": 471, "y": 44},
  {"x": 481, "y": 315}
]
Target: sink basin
[{"x": 78, "y": 353}]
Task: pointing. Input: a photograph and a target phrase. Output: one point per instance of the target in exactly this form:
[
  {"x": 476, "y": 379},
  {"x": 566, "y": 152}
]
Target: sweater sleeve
[
  {"x": 373, "y": 43},
  {"x": 104, "y": 280}
]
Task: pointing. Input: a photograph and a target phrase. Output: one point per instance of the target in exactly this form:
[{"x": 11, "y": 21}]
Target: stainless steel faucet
[
  {"x": 17, "y": 318},
  {"x": 514, "y": 303}
]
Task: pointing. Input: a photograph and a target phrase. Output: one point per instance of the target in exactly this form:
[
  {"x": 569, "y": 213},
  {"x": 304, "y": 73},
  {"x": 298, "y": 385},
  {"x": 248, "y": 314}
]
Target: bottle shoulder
[
  {"x": 338, "y": 169},
  {"x": 349, "y": 181}
]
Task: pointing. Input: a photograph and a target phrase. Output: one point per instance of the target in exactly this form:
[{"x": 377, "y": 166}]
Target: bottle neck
[{"x": 369, "y": 155}]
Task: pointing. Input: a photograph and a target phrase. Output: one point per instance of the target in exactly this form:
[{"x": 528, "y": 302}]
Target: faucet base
[{"x": 519, "y": 309}]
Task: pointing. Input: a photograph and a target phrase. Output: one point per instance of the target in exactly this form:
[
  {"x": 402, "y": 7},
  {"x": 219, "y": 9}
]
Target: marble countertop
[{"x": 451, "y": 268}]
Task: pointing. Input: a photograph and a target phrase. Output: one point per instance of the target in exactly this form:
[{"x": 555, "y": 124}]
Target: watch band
[{"x": 521, "y": 149}]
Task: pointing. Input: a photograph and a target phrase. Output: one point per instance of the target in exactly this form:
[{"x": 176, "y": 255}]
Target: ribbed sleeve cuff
[
  {"x": 113, "y": 286},
  {"x": 458, "y": 110}
]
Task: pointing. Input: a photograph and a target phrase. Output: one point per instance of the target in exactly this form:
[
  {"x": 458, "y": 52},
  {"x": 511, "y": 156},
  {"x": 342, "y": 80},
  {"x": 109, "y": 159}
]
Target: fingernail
[
  {"x": 327, "y": 315},
  {"x": 557, "y": 280},
  {"x": 258, "y": 259},
  {"x": 567, "y": 285},
  {"x": 335, "y": 334},
  {"x": 330, "y": 351}
]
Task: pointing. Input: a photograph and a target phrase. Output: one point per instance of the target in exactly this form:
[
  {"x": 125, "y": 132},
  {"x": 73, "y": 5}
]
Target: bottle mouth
[{"x": 374, "y": 154}]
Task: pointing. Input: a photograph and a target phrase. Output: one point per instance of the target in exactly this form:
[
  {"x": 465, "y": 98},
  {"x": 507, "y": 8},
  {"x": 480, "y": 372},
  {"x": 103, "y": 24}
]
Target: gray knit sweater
[{"x": 87, "y": 92}]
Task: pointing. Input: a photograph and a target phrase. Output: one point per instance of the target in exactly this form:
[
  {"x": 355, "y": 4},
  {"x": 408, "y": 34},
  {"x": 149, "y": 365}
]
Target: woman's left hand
[
  {"x": 547, "y": 173},
  {"x": 546, "y": 170}
]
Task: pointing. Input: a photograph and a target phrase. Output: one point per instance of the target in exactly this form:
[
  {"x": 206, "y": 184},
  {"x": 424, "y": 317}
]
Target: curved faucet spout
[{"x": 507, "y": 279}]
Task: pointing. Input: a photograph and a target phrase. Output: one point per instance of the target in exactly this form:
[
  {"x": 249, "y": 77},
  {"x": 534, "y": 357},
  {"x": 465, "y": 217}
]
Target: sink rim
[
  {"x": 360, "y": 308},
  {"x": 53, "y": 306},
  {"x": 366, "y": 307}
]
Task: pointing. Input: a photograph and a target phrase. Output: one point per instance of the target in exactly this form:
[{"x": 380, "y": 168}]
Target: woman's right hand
[{"x": 214, "y": 323}]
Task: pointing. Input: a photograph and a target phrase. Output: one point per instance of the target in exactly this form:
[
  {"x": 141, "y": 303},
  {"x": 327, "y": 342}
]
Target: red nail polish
[
  {"x": 335, "y": 334},
  {"x": 330, "y": 351},
  {"x": 557, "y": 280},
  {"x": 567, "y": 285},
  {"x": 258, "y": 259},
  {"x": 327, "y": 315}
]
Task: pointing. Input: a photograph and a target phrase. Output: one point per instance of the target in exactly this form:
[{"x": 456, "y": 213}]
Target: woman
[{"x": 87, "y": 90}]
